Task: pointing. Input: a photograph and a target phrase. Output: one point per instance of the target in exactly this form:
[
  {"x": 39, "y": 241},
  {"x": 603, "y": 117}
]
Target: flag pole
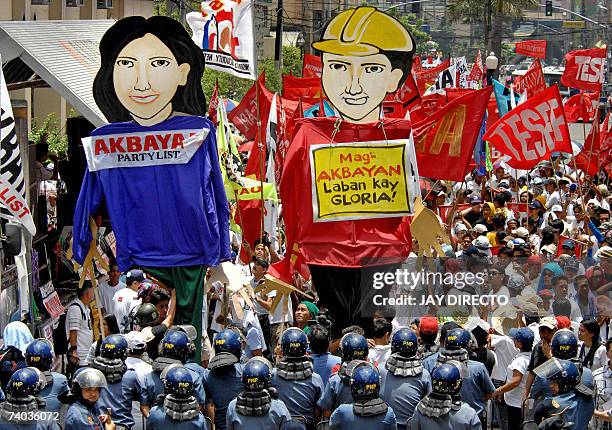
[{"x": 261, "y": 161}]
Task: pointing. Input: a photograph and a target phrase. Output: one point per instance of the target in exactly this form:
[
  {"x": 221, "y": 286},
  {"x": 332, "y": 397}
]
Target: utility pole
[{"x": 278, "y": 45}]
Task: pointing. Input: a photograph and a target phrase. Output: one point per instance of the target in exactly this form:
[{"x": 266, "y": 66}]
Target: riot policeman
[{"x": 39, "y": 354}]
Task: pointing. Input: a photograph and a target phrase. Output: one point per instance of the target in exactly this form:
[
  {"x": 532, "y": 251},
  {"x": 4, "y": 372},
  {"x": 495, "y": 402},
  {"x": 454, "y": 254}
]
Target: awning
[{"x": 62, "y": 53}]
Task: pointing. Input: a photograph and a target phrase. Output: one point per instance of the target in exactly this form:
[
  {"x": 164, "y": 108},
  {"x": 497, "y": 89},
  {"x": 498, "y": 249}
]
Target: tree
[
  {"x": 491, "y": 14},
  {"x": 415, "y": 26}
]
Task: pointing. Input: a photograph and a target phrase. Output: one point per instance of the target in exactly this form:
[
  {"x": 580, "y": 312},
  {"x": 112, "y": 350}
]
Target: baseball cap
[
  {"x": 572, "y": 264},
  {"x": 521, "y": 232},
  {"x": 428, "y": 325},
  {"x": 546, "y": 294},
  {"x": 530, "y": 309},
  {"x": 481, "y": 242},
  {"x": 537, "y": 180},
  {"x": 480, "y": 228},
  {"x": 504, "y": 183},
  {"x": 364, "y": 31},
  {"x": 550, "y": 248},
  {"x": 569, "y": 244},
  {"x": 563, "y": 322},
  {"x": 535, "y": 205},
  {"x": 136, "y": 340},
  {"x": 556, "y": 208},
  {"x": 534, "y": 260},
  {"x": 134, "y": 275},
  {"x": 475, "y": 200},
  {"x": 549, "y": 322},
  {"x": 460, "y": 227}
]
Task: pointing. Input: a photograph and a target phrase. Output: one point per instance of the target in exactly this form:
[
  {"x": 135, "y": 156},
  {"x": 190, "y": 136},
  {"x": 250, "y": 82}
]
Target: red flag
[
  {"x": 532, "y": 81},
  {"x": 477, "y": 69},
  {"x": 605, "y": 141},
  {"x": 312, "y": 66},
  {"x": 532, "y": 131},
  {"x": 532, "y": 48},
  {"x": 244, "y": 116},
  {"x": 214, "y": 102},
  {"x": 416, "y": 64},
  {"x": 445, "y": 141},
  {"x": 428, "y": 76},
  {"x": 581, "y": 106},
  {"x": 588, "y": 160},
  {"x": 584, "y": 69},
  {"x": 407, "y": 94},
  {"x": 305, "y": 89}
]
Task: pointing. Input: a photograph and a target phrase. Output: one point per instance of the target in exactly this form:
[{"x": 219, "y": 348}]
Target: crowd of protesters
[{"x": 537, "y": 356}]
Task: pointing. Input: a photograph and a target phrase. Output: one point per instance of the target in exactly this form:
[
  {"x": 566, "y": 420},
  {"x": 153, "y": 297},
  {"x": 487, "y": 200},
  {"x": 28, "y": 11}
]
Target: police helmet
[
  {"x": 353, "y": 347},
  {"x": 567, "y": 377},
  {"x": 146, "y": 315},
  {"x": 294, "y": 342},
  {"x": 564, "y": 345},
  {"x": 25, "y": 382},
  {"x": 256, "y": 375},
  {"x": 228, "y": 341},
  {"x": 457, "y": 338},
  {"x": 365, "y": 382},
  {"x": 113, "y": 347},
  {"x": 39, "y": 354},
  {"x": 446, "y": 379},
  {"x": 176, "y": 344},
  {"x": 405, "y": 343},
  {"x": 178, "y": 382}
]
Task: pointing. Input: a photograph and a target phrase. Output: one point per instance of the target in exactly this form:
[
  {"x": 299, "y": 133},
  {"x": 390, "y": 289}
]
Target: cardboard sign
[
  {"x": 360, "y": 180},
  {"x": 51, "y": 300},
  {"x": 142, "y": 149}
]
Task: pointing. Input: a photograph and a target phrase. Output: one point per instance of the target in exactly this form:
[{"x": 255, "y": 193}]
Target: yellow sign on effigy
[{"x": 360, "y": 180}]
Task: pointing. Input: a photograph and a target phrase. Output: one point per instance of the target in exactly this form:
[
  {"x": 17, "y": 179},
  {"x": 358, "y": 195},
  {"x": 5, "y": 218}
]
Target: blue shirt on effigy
[{"x": 184, "y": 205}]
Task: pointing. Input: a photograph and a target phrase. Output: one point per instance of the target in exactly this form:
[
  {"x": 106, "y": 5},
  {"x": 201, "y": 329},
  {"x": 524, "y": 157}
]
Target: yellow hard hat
[{"x": 364, "y": 31}]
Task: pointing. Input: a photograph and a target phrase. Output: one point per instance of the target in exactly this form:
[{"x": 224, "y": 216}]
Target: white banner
[
  {"x": 224, "y": 31},
  {"x": 12, "y": 192},
  {"x": 142, "y": 149}
]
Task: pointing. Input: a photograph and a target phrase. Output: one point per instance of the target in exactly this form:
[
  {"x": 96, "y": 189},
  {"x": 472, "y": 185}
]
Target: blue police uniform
[
  {"x": 403, "y": 394},
  {"x": 465, "y": 418},
  {"x": 345, "y": 418},
  {"x": 476, "y": 385},
  {"x": 221, "y": 387},
  {"x": 254, "y": 341},
  {"x": 335, "y": 394},
  {"x": 117, "y": 397},
  {"x": 39, "y": 425},
  {"x": 81, "y": 417},
  {"x": 580, "y": 409},
  {"x": 324, "y": 364},
  {"x": 430, "y": 362},
  {"x": 51, "y": 392},
  {"x": 300, "y": 397},
  {"x": 153, "y": 387},
  {"x": 158, "y": 420},
  {"x": 276, "y": 418},
  {"x": 2, "y": 398}
]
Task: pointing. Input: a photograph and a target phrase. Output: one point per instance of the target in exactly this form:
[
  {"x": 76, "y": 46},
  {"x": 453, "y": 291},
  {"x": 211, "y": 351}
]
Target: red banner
[
  {"x": 305, "y": 89},
  {"x": 244, "y": 116},
  {"x": 408, "y": 94},
  {"x": 214, "y": 103},
  {"x": 445, "y": 209},
  {"x": 532, "y": 131},
  {"x": 532, "y": 81},
  {"x": 477, "y": 69},
  {"x": 428, "y": 76},
  {"x": 589, "y": 159},
  {"x": 584, "y": 69},
  {"x": 532, "y": 48},
  {"x": 581, "y": 107},
  {"x": 312, "y": 66},
  {"x": 445, "y": 141},
  {"x": 606, "y": 141}
]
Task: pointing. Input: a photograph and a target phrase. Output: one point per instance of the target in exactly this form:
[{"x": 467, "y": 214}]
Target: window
[
  {"x": 105, "y": 4},
  {"x": 75, "y": 3},
  {"x": 40, "y": 2}
]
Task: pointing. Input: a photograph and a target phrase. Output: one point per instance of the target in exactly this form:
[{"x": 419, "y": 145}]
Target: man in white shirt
[
  {"x": 553, "y": 195},
  {"x": 127, "y": 299},
  {"x": 108, "y": 287},
  {"x": 78, "y": 326}
]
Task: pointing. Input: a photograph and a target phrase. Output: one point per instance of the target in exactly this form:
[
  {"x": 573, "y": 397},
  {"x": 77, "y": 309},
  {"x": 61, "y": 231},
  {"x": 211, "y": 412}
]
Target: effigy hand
[{"x": 426, "y": 229}]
